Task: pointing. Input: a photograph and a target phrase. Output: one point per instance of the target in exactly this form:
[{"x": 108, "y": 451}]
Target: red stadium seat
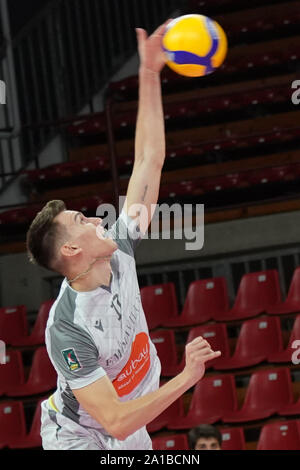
[
  {"x": 164, "y": 341},
  {"x": 186, "y": 109},
  {"x": 268, "y": 391},
  {"x": 33, "y": 438},
  {"x": 171, "y": 442},
  {"x": 183, "y": 188},
  {"x": 42, "y": 376},
  {"x": 262, "y": 176},
  {"x": 19, "y": 216},
  {"x": 205, "y": 299},
  {"x": 125, "y": 119},
  {"x": 159, "y": 303},
  {"x": 280, "y": 435},
  {"x": 88, "y": 125},
  {"x": 290, "y": 410},
  {"x": 233, "y": 439},
  {"x": 292, "y": 302},
  {"x": 284, "y": 173},
  {"x": 176, "y": 409},
  {"x": 256, "y": 293},
  {"x": 218, "y": 183},
  {"x": 37, "y": 335},
  {"x": 286, "y": 354},
  {"x": 212, "y": 398},
  {"x": 68, "y": 170},
  {"x": 13, "y": 323},
  {"x": 12, "y": 422},
  {"x": 216, "y": 335},
  {"x": 258, "y": 338},
  {"x": 12, "y": 372}
]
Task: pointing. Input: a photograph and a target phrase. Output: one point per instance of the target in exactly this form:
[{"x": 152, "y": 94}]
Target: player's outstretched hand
[
  {"x": 150, "y": 49},
  {"x": 197, "y": 353}
]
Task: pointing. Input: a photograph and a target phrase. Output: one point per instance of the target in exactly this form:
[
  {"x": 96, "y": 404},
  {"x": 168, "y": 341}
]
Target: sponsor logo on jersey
[
  {"x": 71, "y": 359},
  {"x": 136, "y": 367}
]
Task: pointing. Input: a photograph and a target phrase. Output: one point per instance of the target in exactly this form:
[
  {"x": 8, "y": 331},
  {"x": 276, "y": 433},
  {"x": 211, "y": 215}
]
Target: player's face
[
  {"x": 87, "y": 233},
  {"x": 207, "y": 443}
]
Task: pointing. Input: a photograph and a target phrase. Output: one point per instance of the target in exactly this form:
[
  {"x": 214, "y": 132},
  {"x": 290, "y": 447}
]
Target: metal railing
[
  {"x": 61, "y": 59},
  {"x": 232, "y": 267}
]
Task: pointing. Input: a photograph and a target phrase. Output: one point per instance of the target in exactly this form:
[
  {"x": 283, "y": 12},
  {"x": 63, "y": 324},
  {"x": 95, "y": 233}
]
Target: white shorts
[{"x": 61, "y": 433}]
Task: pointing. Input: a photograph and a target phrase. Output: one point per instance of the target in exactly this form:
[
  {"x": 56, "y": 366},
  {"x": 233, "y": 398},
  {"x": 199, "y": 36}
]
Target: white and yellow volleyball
[{"x": 195, "y": 45}]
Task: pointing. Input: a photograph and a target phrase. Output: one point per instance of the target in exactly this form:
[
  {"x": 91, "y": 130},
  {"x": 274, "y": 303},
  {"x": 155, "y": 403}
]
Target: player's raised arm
[{"x": 144, "y": 183}]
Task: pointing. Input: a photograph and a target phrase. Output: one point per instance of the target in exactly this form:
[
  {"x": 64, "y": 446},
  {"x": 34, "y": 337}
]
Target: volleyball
[{"x": 195, "y": 45}]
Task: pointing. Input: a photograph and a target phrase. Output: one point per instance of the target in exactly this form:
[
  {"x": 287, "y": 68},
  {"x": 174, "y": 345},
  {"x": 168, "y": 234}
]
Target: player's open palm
[{"x": 197, "y": 353}]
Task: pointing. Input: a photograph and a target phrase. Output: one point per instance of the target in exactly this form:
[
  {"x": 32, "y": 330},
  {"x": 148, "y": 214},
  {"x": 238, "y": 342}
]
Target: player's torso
[{"x": 116, "y": 322}]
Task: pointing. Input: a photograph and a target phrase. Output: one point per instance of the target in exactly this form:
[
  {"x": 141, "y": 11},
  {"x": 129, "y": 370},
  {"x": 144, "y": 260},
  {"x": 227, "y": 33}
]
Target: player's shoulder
[{"x": 64, "y": 307}]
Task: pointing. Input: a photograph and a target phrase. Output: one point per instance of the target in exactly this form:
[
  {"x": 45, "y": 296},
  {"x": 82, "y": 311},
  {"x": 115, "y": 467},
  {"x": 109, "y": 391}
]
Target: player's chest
[{"x": 114, "y": 319}]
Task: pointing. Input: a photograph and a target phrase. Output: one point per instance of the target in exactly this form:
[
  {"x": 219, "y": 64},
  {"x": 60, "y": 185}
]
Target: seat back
[
  {"x": 280, "y": 435},
  {"x": 13, "y": 323},
  {"x": 165, "y": 344},
  {"x": 233, "y": 439},
  {"x": 294, "y": 289},
  {"x": 175, "y": 409},
  {"x": 42, "y": 372},
  {"x": 258, "y": 290},
  {"x": 269, "y": 389},
  {"x": 35, "y": 430},
  {"x": 259, "y": 337},
  {"x": 12, "y": 421},
  {"x": 205, "y": 298},
  {"x": 218, "y": 393},
  {"x": 12, "y": 372},
  {"x": 159, "y": 303},
  {"x": 295, "y": 333},
  {"x": 171, "y": 442},
  {"x": 40, "y": 325}
]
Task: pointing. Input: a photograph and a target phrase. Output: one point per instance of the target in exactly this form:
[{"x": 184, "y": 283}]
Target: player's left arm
[{"x": 143, "y": 188}]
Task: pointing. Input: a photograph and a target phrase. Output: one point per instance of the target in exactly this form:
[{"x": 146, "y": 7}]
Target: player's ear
[{"x": 70, "y": 249}]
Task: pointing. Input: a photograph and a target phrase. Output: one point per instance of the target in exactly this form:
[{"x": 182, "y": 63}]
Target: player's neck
[{"x": 98, "y": 274}]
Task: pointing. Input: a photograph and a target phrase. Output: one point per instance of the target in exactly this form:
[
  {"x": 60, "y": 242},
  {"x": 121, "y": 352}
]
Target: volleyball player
[{"x": 96, "y": 336}]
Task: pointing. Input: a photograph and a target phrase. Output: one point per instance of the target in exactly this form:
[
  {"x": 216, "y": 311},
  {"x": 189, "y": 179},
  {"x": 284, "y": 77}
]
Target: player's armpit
[{"x": 101, "y": 401}]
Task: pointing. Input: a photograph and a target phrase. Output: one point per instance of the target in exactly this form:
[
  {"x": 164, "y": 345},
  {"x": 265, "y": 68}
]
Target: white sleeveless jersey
[{"x": 103, "y": 332}]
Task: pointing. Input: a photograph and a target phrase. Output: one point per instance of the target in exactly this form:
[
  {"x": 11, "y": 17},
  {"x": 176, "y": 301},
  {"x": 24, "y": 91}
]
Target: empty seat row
[
  {"x": 67, "y": 170},
  {"x": 254, "y": 60},
  {"x": 42, "y": 375},
  {"x": 214, "y": 399},
  {"x": 227, "y": 145},
  {"x": 208, "y": 299},
  {"x": 236, "y": 180},
  {"x": 232, "y": 181},
  {"x": 222, "y": 6},
  {"x": 232, "y": 439},
  {"x": 260, "y": 20},
  {"x": 259, "y": 340},
  {"x": 96, "y": 124},
  {"x": 14, "y": 325},
  {"x": 278, "y": 435},
  {"x": 13, "y": 431},
  {"x": 22, "y": 216},
  {"x": 99, "y": 163}
]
